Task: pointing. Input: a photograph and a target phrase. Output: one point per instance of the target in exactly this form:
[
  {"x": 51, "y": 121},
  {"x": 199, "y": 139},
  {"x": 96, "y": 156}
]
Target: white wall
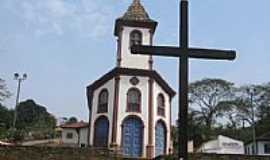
[
  {"x": 122, "y": 114},
  {"x": 110, "y": 87},
  {"x": 124, "y": 86},
  {"x": 65, "y": 140},
  {"x": 156, "y": 91},
  {"x": 261, "y": 150},
  {"x": 231, "y": 146},
  {"x": 83, "y": 136},
  {"x": 223, "y": 145},
  {"x": 260, "y": 145},
  {"x": 134, "y": 61},
  {"x": 74, "y": 141}
]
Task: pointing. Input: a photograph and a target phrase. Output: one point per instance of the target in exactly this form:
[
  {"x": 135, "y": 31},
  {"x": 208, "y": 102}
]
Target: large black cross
[{"x": 183, "y": 53}]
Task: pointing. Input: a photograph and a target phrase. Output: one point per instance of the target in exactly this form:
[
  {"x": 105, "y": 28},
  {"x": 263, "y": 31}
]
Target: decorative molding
[
  {"x": 89, "y": 94},
  {"x": 134, "y": 81},
  {"x": 170, "y": 126},
  {"x": 119, "y": 47},
  {"x": 133, "y": 72},
  {"x": 115, "y": 111},
  {"x": 151, "y": 62},
  {"x": 150, "y": 148}
]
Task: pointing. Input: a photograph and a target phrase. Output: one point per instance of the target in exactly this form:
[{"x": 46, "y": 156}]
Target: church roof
[
  {"x": 136, "y": 12},
  {"x": 131, "y": 72},
  {"x": 135, "y": 16},
  {"x": 75, "y": 125}
]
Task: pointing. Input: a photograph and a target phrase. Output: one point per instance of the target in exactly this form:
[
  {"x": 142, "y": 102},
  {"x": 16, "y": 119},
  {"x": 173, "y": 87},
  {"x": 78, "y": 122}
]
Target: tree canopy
[
  {"x": 206, "y": 97},
  {"x": 218, "y": 107},
  {"x": 33, "y": 121},
  {"x": 4, "y": 93}
]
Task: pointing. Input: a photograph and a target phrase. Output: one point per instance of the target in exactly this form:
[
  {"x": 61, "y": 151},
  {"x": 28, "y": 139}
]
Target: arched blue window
[
  {"x": 101, "y": 132},
  {"x": 160, "y": 138},
  {"x": 135, "y": 38},
  {"x": 103, "y": 101},
  {"x": 161, "y": 105},
  {"x": 134, "y": 100}
]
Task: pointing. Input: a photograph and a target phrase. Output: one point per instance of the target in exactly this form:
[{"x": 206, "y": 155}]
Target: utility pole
[
  {"x": 251, "y": 92},
  {"x": 19, "y": 79}
]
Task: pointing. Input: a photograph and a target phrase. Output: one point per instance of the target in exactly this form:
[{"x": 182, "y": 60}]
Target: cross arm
[
  {"x": 212, "y": 54},
  {"x": 179, "y": 52}
]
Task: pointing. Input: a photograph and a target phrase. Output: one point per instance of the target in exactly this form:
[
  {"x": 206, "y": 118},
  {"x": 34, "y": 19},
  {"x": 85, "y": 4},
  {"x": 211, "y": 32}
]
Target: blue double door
[
  {"x": 132, "y": 137},
  {"x": 160, "y": 139},
  {"x": 101, "y": 132}
]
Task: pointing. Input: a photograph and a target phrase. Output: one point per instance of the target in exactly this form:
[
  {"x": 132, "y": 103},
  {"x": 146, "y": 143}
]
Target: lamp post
[
  {"x": 251, "y": 92},
  {"x": 18, "y": 78}
]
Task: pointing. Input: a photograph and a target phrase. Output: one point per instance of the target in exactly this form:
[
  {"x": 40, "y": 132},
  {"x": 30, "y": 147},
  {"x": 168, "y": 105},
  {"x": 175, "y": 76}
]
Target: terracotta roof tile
[
  {"x": 75, "y": 125},
  {"x": 136, "y": 12}
]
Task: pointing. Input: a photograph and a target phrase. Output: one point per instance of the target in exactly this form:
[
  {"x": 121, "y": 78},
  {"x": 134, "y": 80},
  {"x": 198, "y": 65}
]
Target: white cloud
[{"x": 82, "y": 17}]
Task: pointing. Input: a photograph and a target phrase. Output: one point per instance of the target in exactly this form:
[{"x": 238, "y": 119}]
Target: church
[{"x": 130, "y": 106}]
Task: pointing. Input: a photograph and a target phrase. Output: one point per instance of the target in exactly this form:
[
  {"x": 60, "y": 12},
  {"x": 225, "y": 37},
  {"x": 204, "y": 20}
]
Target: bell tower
[{"x": 134, "y": 27}]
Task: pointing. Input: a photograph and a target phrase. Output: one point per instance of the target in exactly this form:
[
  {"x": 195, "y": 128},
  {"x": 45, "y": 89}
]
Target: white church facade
[{"x": 130, "y": 106}]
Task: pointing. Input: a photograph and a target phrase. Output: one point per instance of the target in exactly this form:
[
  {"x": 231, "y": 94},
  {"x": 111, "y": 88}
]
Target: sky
[{"x": 64, "y": 45}]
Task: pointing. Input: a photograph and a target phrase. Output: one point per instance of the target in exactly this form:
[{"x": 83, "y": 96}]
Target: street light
[
  {"x": 19, "y": 79},
  {"x": 251, "y": 92}
]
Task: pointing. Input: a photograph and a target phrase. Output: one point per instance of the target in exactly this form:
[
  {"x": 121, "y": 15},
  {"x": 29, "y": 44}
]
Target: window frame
[
  {"x": 130, "y": 106},
  {"x": 69, "y": 135},
  {"x": 161, "y": 109},
  {"x": 132, "y": 38},
  {"x": 103, "y": 107},
  {"x": 267, "y": 148}
]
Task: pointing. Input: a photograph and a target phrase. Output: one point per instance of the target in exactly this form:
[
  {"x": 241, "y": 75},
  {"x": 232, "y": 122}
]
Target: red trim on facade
[
  {"x": 89, "y": 95},
  {"x": 133, "y": 72},
  {"x": 115, "y": 111},
  {"x": 151, "y": 57},
  {"x": 170, "y": 108},
  {"x": 119, "y": 47},
  {"x": 150, "y": 152}
]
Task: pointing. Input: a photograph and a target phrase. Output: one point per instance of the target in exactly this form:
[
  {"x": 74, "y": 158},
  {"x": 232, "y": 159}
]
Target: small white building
[
  {"x": 75, "y": 134},
  {"x": 223, "y": 145},
  {"x": 263, "y": 146},
  {"x": 130, "y": 106}
]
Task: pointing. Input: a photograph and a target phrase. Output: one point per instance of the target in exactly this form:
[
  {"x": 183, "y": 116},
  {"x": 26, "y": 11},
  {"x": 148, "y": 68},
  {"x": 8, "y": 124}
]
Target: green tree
[
  {"x": 206, "y": 97},
  {"x": 5, "y": 120},
  {"x": 246, "y": 102},
  {"x": 5, "y": 117},
  {"x": 263, "y": 111},
  {"x": 35, "y": 120},
  {"x": 4, "y": 93}
]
